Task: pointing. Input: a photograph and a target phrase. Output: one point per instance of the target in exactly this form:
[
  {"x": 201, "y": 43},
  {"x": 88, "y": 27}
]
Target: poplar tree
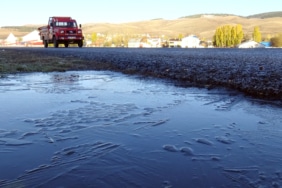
[
  {"x": 180, "y": 36},
  {"x": 219, "y": 37},
  {"x": 233, "y": 36},
  {"x": 239, "y": 34},
  {"x": 257, "y": 34},
  {"x": 94, "y": 37},
  {"x": 228, "y": 36}
]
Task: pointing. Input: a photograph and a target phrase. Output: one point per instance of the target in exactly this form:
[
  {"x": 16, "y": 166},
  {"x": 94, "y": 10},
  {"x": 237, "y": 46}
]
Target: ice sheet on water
[
  {"x": 170, "y": 148},
  {"x": 224, "y": 140},
  {"x": 69, "y": 158},
  {"x": 106, "y": 162},
  {"x": 14, "y": 142},
  {"x": 9, "y": 138},
  {"x": 150, "y": 123},
  {"x": 153, "y": 134},
  {"x": 238, "y": 152},
  {"x": 187, "y": 151},
  {"x": 204, "y": 141}
]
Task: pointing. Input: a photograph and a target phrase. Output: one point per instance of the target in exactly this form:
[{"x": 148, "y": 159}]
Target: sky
[{"x": 23, "y": 12}]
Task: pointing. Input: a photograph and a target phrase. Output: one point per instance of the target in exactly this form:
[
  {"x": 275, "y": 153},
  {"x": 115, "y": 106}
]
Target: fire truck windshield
[{"x": 65, "y": 24}]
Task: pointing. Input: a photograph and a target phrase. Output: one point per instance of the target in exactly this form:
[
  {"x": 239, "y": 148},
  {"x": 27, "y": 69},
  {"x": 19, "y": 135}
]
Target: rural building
[
  {"x": 190, "y": 41},
  {"x": 32, "y": 38},
  {"x": 134, "y": 43},
  {"x": 139, "y": 43},
  {"x": 155, "y": 42},
  {"x": 174, "y": 43},
  {"x": 250, "y": 44},
  {"x": 11, "y": 39}
]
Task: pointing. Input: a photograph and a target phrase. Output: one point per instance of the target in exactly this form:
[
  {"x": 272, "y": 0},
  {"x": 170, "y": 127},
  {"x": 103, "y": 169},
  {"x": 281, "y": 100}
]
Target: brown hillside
[
  {"x": 18, "y": 31},
  {"x": 202, "y": 26},
  {"x": 5, "y": 32}
]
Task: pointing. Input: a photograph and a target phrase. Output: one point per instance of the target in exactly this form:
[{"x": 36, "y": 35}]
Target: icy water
[{"x": 105, "y": 129}]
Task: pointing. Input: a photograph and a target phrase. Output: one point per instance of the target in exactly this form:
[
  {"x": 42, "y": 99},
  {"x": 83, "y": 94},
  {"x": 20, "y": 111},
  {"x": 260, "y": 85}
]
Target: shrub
[{"x": 276, "y": 41}]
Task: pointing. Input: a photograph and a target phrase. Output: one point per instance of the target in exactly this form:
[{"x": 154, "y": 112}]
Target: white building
[
  {"x": 191, "y": 41},
  {"x": 32, "y": 38},
  {"x": 139, "y": 43},
  {"x": 134, "y": 43},
  {"x": 250, "y": 44},
  {"x": 155, "y": 42},
  {"x": 11, "y": 39},
  {"x": 172, "y": 43}
]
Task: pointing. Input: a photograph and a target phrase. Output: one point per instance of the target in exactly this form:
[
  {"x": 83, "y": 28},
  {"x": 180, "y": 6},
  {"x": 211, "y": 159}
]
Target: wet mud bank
[{"x": 255, "y": 72}]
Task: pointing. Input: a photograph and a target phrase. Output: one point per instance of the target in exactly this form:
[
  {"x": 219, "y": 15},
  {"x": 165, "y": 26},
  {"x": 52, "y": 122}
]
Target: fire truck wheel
[
  {"x": 80, "y": 44},
  {"x": 45, "y": 43},
  {"x": 56, "y": 44},
  {"x": 66, "y": 45}
]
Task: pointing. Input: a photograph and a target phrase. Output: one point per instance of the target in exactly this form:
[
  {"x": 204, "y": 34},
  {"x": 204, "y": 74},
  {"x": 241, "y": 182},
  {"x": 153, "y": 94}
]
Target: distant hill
[
  {"x": 207, "y": 15},
  {"x": 260, "y": 16},
  {"x": 202, "y": 25},
  {"x": 18, "y": 31},
  {"x": 20, "y": 28},
  {"x": 267, "y": 15}
]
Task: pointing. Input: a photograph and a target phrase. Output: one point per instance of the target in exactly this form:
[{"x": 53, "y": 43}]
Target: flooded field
[{"x": 105, "y": 129}]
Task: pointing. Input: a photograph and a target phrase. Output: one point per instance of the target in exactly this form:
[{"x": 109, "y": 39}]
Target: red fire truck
[{"x": 61, "y": 30}]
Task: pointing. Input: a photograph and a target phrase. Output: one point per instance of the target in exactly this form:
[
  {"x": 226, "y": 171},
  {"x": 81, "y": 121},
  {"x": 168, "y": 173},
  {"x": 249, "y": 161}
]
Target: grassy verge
[{"x": 16, "y": 62}]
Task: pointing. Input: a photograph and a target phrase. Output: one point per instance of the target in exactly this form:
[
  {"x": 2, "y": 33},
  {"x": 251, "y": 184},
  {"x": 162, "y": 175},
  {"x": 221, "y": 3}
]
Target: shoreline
[{"x": 255, "y": 72}]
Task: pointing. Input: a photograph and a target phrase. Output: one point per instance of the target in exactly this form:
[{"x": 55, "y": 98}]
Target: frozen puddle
[{"x": 104, "y": 129}]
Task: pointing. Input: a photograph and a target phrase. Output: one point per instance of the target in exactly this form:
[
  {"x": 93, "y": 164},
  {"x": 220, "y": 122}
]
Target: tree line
[
  {"x": 225, "y": 36},
  {"x": 228, "y": 36},
  {"x": 233, "y": 35}
]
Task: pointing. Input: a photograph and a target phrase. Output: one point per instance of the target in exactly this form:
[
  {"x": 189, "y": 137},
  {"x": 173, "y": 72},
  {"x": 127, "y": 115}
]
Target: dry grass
[
  {"x": 204, "y": 27},
  {"x": 5, "y": 32},
  {"x": 24, "y": 61},
  {"x": 12, "y": 61}
]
